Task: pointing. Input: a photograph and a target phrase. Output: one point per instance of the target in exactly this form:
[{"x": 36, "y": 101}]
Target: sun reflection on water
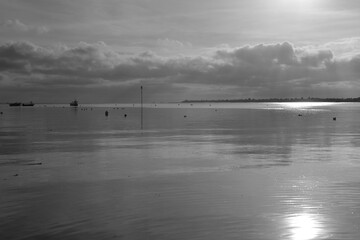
[
  {"x": 300, "y": 105},
  {"x": 305, "y": 218},
  {"x": 304, "y": 226}
]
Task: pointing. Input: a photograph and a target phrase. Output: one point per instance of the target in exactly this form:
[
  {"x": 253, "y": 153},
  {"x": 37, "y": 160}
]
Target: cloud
[
  {"x": 170, "y": 43},
  {"x": 17, "y": 25},
  {"x": 264, "y": 70},
  {"x": 345, "y": 48}
]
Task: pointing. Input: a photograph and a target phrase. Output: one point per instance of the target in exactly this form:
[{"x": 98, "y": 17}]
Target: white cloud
[{"x": 345, "y": 48}]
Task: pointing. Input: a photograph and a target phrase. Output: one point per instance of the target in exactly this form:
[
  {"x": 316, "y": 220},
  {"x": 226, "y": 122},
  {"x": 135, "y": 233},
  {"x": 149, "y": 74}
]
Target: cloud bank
[{"x": 98, "y": 73}]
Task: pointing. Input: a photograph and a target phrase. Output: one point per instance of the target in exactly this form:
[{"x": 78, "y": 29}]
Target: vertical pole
[{"x": 141, "y": 107}]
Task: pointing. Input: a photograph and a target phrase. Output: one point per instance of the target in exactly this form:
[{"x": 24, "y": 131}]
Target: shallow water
[{"x": 225, "y": 171}]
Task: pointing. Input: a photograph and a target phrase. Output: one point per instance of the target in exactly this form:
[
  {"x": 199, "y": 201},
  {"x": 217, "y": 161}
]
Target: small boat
[
  {"x": 74, "y": 103},
  {"x": 15, "y": 104},
  {"x": 30, "y": 104}
]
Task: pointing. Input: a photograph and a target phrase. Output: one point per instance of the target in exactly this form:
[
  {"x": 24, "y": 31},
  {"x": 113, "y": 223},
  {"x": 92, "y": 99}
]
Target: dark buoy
[
  {"x": 300, "y": 115},
  {"x": 37, "y": 163},
  {"x": 106, "y": 113},
  {"x": 125, "y": 115},
  {"x": 334, "y": 118},
  {"x": 1, "y": 113},
  {"x": 185, "y": 116}
]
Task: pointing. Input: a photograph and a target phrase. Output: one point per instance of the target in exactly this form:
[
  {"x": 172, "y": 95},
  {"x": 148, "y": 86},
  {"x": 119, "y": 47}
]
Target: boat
[
  {"x": 30, "y": 104},
  {"x": 15, "y": 104},
  {"x": 74, "y": 103}
]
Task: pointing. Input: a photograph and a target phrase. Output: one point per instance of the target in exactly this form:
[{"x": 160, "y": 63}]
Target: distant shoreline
[{"x": 245, "y": 100}]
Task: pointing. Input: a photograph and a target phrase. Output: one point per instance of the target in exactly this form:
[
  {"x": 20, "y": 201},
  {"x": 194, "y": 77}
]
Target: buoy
[
  {"x": 185, "y": 116},
  {"x": 106, "y": 113},
  {"x": 300, "y": 115},
  {"x": 334, "y": 118},
  {"x": 125, "y": 115},
  {"x": 37, "y": 163}
]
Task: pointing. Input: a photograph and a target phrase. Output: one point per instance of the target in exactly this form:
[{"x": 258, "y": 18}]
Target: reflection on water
[
  {"x": 304, "y": 226},
  {"x": 227, "y": 171},
  {"x": 304, "y": 212},
  {"x": 302, "y": 105}
]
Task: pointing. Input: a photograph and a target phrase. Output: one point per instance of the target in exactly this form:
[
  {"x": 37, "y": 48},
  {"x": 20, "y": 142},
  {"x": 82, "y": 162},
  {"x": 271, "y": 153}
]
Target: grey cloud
[
  {"x": 264, "y": 70},
  {"x": 171, "y": 43},
  {"x": 17, "y": 25},
  {"x": 355, "y": 64},
  {"x": 317, "y": 58},
  {"x": 260, "y": 54}
]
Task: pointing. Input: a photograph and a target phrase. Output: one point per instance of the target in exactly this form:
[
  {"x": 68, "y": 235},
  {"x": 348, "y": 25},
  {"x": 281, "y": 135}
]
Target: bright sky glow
[{"x": 299, "y": 5}]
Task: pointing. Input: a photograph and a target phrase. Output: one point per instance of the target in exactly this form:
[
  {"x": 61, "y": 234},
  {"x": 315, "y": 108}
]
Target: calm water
[{"x": 225, "y": 171}]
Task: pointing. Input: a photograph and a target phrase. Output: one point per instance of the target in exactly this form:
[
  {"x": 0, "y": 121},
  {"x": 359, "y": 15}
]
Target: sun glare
[{"x": 304, "y": 227}]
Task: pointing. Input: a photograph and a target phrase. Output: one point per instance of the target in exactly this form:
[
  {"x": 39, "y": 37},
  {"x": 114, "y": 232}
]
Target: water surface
[{"x": 200, "y": 171}]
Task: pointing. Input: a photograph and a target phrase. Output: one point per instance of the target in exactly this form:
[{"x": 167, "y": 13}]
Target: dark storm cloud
[{"x": 264, "y": 70}]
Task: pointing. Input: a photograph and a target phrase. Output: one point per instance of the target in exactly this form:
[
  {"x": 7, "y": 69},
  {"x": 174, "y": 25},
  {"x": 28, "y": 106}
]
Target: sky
[{"x": 102, "y": 51}]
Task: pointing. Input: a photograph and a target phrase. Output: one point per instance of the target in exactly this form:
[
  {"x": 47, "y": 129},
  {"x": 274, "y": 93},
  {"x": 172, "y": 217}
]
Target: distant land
[{"x": 309, "y": 99}]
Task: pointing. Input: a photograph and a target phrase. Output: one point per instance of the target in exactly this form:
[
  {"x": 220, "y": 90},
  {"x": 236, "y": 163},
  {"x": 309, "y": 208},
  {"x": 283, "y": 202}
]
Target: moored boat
[
  {"x": 74, "y": 103},
  {"x": 15, "y": 104},
  {"x": 30, "y": 104}
]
